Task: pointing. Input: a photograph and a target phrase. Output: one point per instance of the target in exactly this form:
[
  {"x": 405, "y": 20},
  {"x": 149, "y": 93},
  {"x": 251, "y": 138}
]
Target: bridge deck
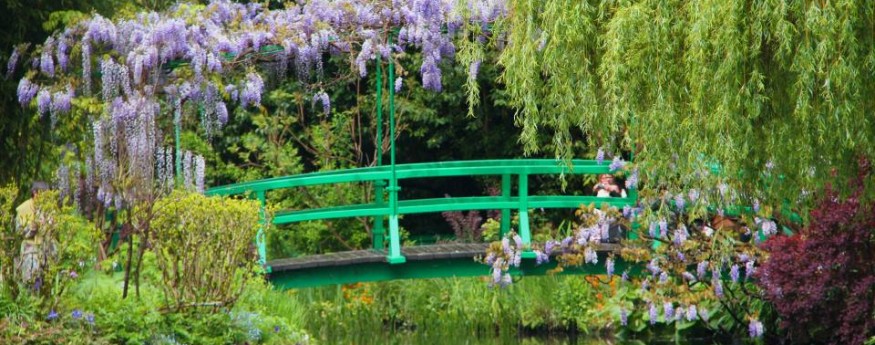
[
  {"x": 416, "y": 253},
  {"x": 427, "y": 261}
]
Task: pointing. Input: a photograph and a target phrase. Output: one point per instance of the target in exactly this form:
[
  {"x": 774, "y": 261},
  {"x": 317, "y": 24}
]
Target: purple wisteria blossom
[
  {"x": 62, "y": 101},
  {"x": 679, "y": 313},
  {"x": 505, "y": 246},
  {"x": 755, "y": 328},
  {"x": 680, "y": 236},
  {"x": 26, "y": 91},
  {"x": 679, "y": 202},
  {"x": 199, "y": 168},
  {"x": 668, "y": 308},
  {"x": 518, "y": 241},
  {"x": 473, "y": 69},
  {"x": 496, "y": 275},
  {"x": 541, "y": 257},
  {"x": 13, "y": 61},
  {"x": 252, "y": 90},
  {"x": 624, "y": 317},
  {"x": 44, "y": 101},
  {"x": 653, "y": 266},
  {"x": 549, "y": 246},
  {"x": 632, "y": 181},
  {"x": 609, "y": 267},
  {"x": 689, "y": 276},
  {"x": 600, "y": 156},
  {"x": 769, "y": 228},
  {"x": 47, "y": 63},
  {"x": 692, "y": 313},
  {"x": 749, "y": 269},
  {"x": 76, "y": 314},
  {"x": 322, "y": 97},
  {"x": 398, "y": 83},
  {"x": 701, "y": 269},
  {"x": 734, "y": 274},
  {"x": 61, "y": 53},
  {"x": 222, "y": 112},
  {"x": 589, "y": 256},
  {"x": 654, "y": 314},
  {"x": 431, "y": 74},
  {"x": 616, "y": 164}
]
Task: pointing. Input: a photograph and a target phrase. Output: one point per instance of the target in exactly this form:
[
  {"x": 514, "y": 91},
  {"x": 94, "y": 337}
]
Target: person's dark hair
[{"x": 38, "y": 186}]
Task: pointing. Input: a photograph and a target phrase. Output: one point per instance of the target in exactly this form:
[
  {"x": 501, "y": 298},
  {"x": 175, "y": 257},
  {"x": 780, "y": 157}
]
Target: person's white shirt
[{"x": 604, "y": 193}]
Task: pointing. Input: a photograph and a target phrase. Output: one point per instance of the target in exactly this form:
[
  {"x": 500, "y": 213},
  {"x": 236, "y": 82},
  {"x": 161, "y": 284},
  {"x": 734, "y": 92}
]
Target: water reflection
[{"x": 467, "y": 339}]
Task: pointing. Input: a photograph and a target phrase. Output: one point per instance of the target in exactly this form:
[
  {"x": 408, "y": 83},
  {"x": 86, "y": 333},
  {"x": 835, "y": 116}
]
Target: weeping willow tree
[{"x": 778, "y": 96}]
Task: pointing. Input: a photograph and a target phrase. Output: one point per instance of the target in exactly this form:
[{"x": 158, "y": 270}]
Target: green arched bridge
[{"x": 382, "y": 262}]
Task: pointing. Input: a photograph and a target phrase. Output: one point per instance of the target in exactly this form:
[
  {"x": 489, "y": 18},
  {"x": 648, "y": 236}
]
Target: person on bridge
[{"x": 607, "y": 187}]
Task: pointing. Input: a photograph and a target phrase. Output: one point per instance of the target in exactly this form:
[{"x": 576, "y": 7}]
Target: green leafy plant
[{"x": 202, "y": 246}]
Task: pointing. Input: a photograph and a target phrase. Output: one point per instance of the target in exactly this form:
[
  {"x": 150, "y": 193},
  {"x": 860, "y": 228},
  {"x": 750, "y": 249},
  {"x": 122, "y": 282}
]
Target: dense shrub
[
  {"x": 822, "y": 280},
  {"x": 188, "y": 231}
]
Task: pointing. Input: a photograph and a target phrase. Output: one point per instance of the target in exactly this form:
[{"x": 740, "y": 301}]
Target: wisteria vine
[{"x": 205, "y": 58}]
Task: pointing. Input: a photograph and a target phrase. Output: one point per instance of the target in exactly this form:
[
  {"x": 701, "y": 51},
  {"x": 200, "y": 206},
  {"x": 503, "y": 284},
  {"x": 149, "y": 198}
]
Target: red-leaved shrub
[{"x": 822, "y": 280}]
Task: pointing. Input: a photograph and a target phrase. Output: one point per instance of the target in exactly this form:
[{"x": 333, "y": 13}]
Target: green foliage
[
  {"x": 765, "y": 89},
  {"x": 11, "y": 239},
  {"x": 462, "y": 306},
  {"x": 46, "y": 261},
  {"x": 188, "y": 228},
  {"x": 145, "y": 320}
]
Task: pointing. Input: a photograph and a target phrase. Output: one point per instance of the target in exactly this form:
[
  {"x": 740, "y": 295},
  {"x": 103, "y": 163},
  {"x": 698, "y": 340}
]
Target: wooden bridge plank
[{"x": 414, "y": 253}]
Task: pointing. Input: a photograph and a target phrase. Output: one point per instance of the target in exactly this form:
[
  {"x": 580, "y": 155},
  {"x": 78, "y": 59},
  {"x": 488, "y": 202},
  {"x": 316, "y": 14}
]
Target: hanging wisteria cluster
[
  {"x": 502, "y": 256},
  {"x": 203, "y": 59}
]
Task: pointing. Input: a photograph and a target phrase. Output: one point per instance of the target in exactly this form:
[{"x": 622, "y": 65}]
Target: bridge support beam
[
  {"x": 378, "y": 232},
  {"x": 525, "y": 233},
  {"x": 395, "y": 256},
  {"x": 260, "y": 241},
  {"x": 505, "y": 212}
]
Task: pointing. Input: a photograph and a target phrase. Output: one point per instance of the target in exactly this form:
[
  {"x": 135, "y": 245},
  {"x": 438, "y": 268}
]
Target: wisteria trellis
[{"x": 214, "y": 54}]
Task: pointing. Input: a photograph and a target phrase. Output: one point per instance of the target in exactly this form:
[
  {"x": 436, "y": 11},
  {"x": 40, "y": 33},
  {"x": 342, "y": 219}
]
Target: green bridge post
[
  {"x": 505, "y": 212},
  {"x": 394, "y": 256},
  {"x": 260, "y": 242},
  {"x": 379, "y": 231},
  {"x": 525, "y": 234}
]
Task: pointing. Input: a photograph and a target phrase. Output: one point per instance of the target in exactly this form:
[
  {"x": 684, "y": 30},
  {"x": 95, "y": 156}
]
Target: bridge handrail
[
  {"x": 414, "y": 170},
  {"x": 506, "y": 168}
]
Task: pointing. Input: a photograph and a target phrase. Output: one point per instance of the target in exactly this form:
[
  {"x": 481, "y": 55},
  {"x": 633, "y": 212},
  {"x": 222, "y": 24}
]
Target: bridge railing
[{"x": 386, "y": 178}]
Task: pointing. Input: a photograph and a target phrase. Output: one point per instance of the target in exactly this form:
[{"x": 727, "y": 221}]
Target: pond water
[{"x": 463, "y": 338}]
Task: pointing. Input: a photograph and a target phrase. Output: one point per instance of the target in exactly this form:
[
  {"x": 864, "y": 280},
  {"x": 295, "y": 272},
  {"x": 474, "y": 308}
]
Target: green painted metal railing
[{"x": 508, "y": 169}]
